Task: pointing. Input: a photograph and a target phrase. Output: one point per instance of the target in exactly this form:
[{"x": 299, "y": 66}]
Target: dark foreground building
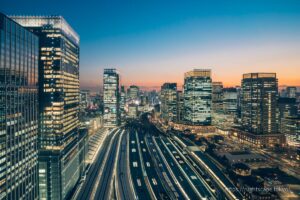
[
  {"x": 60, "y": 149},
  {"x": 18, "y": 111}
]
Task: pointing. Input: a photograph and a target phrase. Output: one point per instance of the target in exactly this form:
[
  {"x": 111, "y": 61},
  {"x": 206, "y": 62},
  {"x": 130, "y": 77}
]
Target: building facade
[
  {"x": 259, "y": 103},
  {"x": 198, "y": 97},
  {"x": 287, "y": 107},
  {"x": 169, "y": 101},
  {"x": 291, "y": 130},
  {"x": 217, "y": 97},
  {"x": 291, "y": 92},
  {"x": 85, "y": 99},
  {"x": 180, "y": 106},
  {"x": 230, "y": 101},
  {"x": 133, "y": 93},
  {"x": 122, "y": 103},
  {"x": 111, "y": 98},
  {"x": 132, "y": 111},
  {"x": 19, "y": 53},
  {"x": 59, "y": 139}
]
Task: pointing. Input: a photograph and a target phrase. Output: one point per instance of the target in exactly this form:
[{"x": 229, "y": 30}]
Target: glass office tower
[
  {"x": 198, "y": 97},
  {"x": 18, "y": 111},
  {"x": 168, "y": 104},
  {"x": 111, "y": 98},
  {"x": 60, "y": 149},
  {"x": 259, "y": 103}
]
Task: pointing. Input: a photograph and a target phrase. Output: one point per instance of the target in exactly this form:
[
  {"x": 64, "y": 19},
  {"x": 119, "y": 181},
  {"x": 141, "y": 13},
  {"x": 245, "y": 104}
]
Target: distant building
[
  {"x": 111, "y": 98},
  {"x": 60, "y": 149},
  {"x": 239, "y": 101},
  {"x": 19, "y": 53},
  {"x": 84, "y": 99},
  {"x": 133, "y": 93},
  {"x": 287, "y": 107},
  {"x": 217, "y": 97},
  {"x": 169, "y": 101},
  {"x": 197, "y": 97},
  {"x": 180, "y": 106},
  {"x": 144, "y": 99},
  {"x": 291, "y": 92},
  {"x": 122, "y": 103},
  {"x": 230, "y": 101},
  {"x": 291, "y": 130},
  {"x": 259, "y": 103},
  {"x": 132, "y": 111},
  {"x": 243, "y": 157}
]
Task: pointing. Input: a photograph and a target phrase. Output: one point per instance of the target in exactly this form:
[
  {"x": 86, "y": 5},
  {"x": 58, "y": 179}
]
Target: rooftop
[
  {"x": 56, "y": 21},
  {"x": 198, "y": 73},
  {"x": 259, "y": 75}
]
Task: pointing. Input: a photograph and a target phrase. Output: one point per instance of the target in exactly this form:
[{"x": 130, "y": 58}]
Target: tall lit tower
[
  {"x": 111, "y": 98},
  {"x": 19, "y": 53},
  {"x": 198, "y": 97},
  {"x": 259, "y": 103},
  {"x": 61, "y": 159}
]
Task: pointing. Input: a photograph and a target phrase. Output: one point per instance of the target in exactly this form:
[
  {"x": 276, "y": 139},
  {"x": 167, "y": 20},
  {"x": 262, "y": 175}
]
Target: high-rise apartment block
[
  {"x": 61, "y": 153},
  {"x": 197, "y": 97},
  {"x": 111, "y": 98},
  {"x": 19, "y": 51}
]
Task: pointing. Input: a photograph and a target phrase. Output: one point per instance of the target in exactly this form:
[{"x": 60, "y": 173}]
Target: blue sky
[{"x": 151, "y": 42}]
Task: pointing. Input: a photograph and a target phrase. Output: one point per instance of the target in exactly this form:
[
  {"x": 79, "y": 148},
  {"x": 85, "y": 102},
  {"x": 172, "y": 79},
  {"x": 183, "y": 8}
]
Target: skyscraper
[
  {"x": 217, "y": 97},
  {"x": 169, "y": 101},
  {"x": 60, "y": 154},
  {"x": 111, "y": 98},
  {"x": 197, "y": 97},
  {"x": 18, "y": 111},
  {"x": 259, "y": 103}
]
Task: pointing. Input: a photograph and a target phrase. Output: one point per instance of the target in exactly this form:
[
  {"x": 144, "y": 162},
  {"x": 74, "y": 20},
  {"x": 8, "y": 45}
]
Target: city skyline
[
  {"x": 148, "y": 42},
  {"x": 197, "y": 137}
]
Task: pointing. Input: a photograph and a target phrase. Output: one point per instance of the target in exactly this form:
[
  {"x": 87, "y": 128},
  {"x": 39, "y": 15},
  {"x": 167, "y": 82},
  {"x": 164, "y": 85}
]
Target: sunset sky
[{"x": 152, "y": 42}]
